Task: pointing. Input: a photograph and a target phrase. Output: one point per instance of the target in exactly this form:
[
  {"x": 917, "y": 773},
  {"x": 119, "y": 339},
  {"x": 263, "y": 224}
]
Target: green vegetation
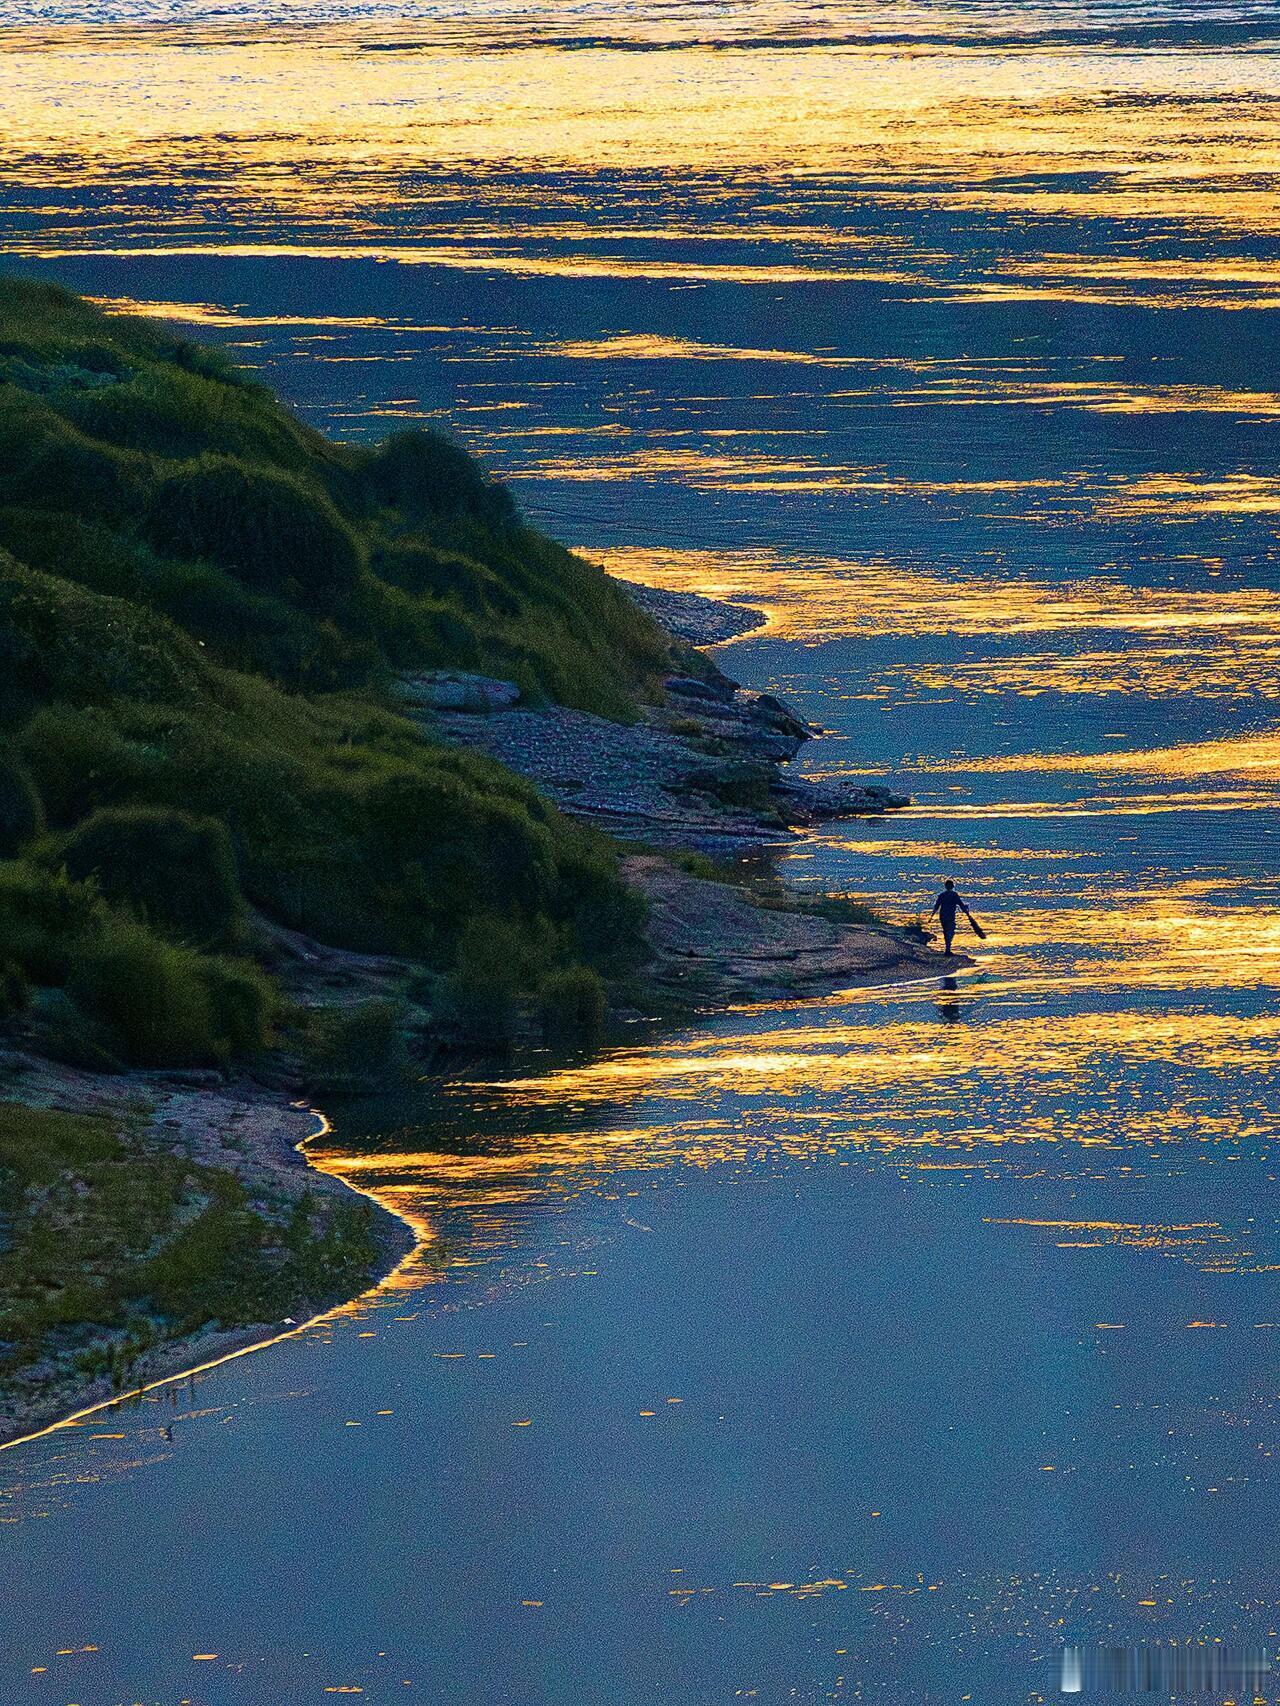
[
  {"x": 21, "y": 810},
  {"x": 139, "y": 468},
  {"x": 113, "y": 1246},
  {"x": 845, "y": 909},
  {"x": 177, "y": 871},
  {"x": 140, "y": 999},
  {"x": 572, "y": 1006},
  {"x": 352, "y": 1048},
  {"x": 203, "y": 605}
]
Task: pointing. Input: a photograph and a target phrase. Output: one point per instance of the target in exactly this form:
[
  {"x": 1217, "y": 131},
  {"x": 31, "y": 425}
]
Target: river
[{"x": 875, "y": 1348}]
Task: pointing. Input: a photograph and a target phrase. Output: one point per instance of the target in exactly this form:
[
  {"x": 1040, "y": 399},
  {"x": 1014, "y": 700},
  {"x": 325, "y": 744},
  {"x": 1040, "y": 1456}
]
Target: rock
[
  {"x": 712, "y": 943},
  {"x": 195, "y": 1078},
  {"x": 691, "y": 617},
  {"x": 779, "y": 715},
  {"x": 758, "y": 722},
  {"x": 688, "y": 687},
  {"x": 456, "y": 690},
  {"x": 802, "y": 800}
]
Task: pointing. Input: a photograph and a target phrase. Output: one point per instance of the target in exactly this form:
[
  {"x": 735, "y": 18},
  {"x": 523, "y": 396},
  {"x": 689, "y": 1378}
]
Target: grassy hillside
[{"x": 202, "y": 603}]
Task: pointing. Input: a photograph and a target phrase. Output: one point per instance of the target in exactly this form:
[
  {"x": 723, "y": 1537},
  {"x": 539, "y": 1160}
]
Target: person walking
[{"x": 946, "y": 906}]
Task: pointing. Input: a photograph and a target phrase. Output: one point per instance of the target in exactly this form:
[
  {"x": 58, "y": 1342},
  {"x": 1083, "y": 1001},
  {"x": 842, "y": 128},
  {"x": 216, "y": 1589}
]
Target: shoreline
[
  {"x": 398, "y": 1244},
  {"x": 668, "y": 781},
  {"x": 275, "y": 1154},
  {"x": 693, "y": 616}
]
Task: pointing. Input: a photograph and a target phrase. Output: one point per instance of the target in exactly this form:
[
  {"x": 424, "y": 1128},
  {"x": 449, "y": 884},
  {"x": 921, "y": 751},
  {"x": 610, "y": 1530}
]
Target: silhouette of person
[{"x": 946, "y": 906}]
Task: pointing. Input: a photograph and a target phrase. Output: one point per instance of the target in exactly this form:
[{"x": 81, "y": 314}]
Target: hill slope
[{"x": 202, "y": 605}]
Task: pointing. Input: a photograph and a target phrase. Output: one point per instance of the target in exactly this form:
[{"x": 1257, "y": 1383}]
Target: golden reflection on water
[
  {"x": 1245, "y": 666},
  {"x": 903, "y": 1088},
  {"x": 1255, "y": 756},
  {"x": 811, "y": 598},
  {"x": 936, "y": 111},
  {"x": 311, "y": 123}
]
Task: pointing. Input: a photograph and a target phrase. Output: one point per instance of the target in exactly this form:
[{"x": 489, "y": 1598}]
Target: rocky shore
[
  {"x": 690, "y": 617},
  {"x": 704, "y": 770},
  {"x": 714, "y": 945}
]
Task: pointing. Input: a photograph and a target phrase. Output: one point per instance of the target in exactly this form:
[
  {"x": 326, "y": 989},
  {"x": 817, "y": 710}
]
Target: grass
[
  {"x": 148, "y": 469},
  {"x": 203, "y": 605},
  {"x": 845, "y": 909},
  {"x": 112, "y": 1245}
]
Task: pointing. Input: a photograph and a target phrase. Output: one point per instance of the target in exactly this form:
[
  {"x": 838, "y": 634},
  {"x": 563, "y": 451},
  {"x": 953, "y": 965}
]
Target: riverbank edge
[
  {"x": 274, "y": 1122},
  {"x": 187, "y": 1357},
  {"x": 277, "y": 1132}
]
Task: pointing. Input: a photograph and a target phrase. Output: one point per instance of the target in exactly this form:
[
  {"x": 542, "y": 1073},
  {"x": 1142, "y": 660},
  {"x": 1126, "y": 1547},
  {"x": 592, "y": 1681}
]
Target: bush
[
  {"x": 269, "y": 529},
  {"x": 45, "y": 920},
  {"x": 242, "y": 1006},
  {"x": 148, "y": 994},
  {"x": 483, "y": 991},
  {"x": 80, "y": 762},
  {"x": 21, "y": 809},
  {"x": 44, "y": 460},
  {"x": 59, "y": 641},
  {"x": 347, "y": 1047},
  {"x": 426, "y": 477},
  {"x": 165, "y": 1005},
  {"x": 846, "y": 909},
  {"x": 14, "y": 990},
  {"x": 176, "y": 871},
  {"x": 572, "y": 1006}
]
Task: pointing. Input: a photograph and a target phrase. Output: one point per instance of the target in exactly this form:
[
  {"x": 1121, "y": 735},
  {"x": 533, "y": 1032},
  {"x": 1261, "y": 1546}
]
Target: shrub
[
  {"x": 45, "y": 920},
  {"x": 241, "y": 1005},
  {"x": 14, "y": 990},
  {"x": 165, "y": 1005},
  {"x": 206, "y": 546},
  {"x": 80, "y": 761},
  {"x": 846, "y": 909},
  {"x": 21, "y": 809},
  {"x": 484, "y": 988},
  {"x": 425, "y": 477},
  {"x": 59, "y": 641},
  {"x": 269, "y": 529},
  {"x": 572, "y": 1006},
  {"x": 176, "y": 871},
  {"x": 347, "y": 1047},
  {"x": 44, "y": 460},
  {"x": 149, "y": 995}
]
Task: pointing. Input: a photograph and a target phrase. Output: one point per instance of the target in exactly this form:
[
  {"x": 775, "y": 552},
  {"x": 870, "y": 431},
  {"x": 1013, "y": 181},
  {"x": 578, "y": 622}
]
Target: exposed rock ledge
[
  {"x": 690, "y": 617},
  {"x": 713, "y": 945},
  {"x": 701, "y": 771}
]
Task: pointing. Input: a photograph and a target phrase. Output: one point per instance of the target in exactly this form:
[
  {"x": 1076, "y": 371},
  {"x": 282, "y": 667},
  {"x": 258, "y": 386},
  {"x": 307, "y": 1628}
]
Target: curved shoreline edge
[
  {"x": 694, "y": 616},
  {"x": 398, "y": 1243}
]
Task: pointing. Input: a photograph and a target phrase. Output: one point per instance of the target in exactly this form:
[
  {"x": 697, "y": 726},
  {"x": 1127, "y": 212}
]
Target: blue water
[{"x": 946, "y": 335}]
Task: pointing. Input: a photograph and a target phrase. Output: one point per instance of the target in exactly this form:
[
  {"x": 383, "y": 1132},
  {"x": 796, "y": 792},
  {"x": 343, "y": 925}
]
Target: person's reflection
[{"x": 949, "y": 1010}]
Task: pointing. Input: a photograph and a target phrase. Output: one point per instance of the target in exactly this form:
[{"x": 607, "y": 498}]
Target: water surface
[{"x": 861, "y": 1349}]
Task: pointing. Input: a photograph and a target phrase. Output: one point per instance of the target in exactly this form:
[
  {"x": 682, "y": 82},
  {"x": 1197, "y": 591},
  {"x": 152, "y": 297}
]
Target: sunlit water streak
[{"x": 856, "y": 1349}]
